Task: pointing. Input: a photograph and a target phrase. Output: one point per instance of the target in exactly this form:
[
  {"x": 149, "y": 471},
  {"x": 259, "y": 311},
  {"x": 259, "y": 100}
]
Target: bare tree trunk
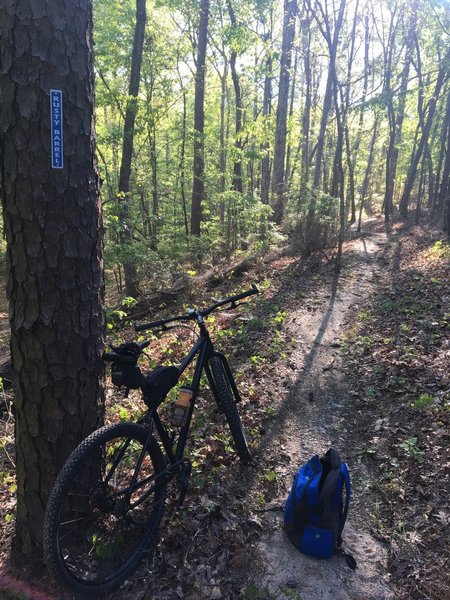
[
  {"x": 266, "y": 111},
  {"x": 346, "y": 102},
  {"x": 291, "y": 112},
  {"x": 155, "y": 202},
  {"x": 332, "y": 41},
  {"x": 404, "y": 202},
  {"x": 365, "y": 185},
  {"x": 306, "y": 117},
  {"x": 396, "y": 122},
  {"x": 198, "y": 186},
  {"x": 129, "y": 268},
  {"x": 443, "y": 200},
  {"x": 278, "y": 183},
  {"x": 237, "y": 166},
  {"x": 442, "y": 155},
  {"x": 53, "y": 227}
]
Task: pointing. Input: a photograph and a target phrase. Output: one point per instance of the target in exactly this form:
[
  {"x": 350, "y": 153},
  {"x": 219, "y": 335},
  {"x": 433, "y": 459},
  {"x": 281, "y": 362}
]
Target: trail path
[{"x": 312, "y": 419}]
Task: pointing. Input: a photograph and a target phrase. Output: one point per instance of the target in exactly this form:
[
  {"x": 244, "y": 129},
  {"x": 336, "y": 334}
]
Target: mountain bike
[{"x": 106, "y": 506}]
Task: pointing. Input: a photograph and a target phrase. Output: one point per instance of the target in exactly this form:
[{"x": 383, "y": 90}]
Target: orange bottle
[{"x": 181, "y": 408}]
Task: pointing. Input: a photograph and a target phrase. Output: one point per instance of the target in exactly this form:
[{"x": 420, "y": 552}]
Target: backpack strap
[
  {"x": 351, "y": 562},
  {"x": 346, "y": 476},
  {"x": 300, "y": 508}
]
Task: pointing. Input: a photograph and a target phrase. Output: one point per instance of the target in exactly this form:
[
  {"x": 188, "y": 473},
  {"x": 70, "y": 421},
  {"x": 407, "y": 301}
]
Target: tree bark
[
  {"x": 388, "y": 50},
  {"x": 198, "y": 186},
  {"x": 53, "y": 229},
  {"x": 443, "y": 200},
  {"x": 266, "y": 111},
  {"x": 306, "y": 116},
  {"x": 365, "y": 185},
  {"x": 397, "y": 132},
  {"x": 412, "y": 170},
  {"x": 129, "y": 266},
  {"x": 346, "y": 103},
  {"x": 442, "y": 156},
  {"x": 237, "y": 165},
  {"x": 332, "y": 40},
  {"x": 287, "y": 174},
  {"x": 278, "y": 182}
]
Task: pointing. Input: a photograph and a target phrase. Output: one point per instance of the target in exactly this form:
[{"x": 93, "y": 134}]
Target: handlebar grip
[{"x": 254, "y": 290}]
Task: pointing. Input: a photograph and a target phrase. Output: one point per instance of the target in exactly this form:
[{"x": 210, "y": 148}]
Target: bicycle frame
[{"x": 204, "y": 350}]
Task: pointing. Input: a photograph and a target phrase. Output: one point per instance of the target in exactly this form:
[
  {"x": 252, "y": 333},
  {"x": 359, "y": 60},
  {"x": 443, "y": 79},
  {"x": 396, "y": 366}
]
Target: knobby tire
[
  {"x": 227, "y": 404},
  {"x": 94, "y": 534}
]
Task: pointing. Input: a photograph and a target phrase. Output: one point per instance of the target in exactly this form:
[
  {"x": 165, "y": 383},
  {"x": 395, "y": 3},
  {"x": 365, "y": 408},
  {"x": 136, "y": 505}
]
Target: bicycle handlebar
[
  {"x": 231, "y": 299},
  {"x": 194, "y": 314}
]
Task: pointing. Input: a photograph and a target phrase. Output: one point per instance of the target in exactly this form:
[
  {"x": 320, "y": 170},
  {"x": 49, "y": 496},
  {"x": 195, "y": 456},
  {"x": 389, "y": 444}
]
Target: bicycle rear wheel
[
  {"x": 227, "y": 405},
  {"x": 103, "y": 513}
]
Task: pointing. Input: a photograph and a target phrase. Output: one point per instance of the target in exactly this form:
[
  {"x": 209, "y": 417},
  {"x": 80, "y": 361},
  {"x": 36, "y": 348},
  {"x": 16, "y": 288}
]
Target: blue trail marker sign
[{"x": 56, "y": 125}]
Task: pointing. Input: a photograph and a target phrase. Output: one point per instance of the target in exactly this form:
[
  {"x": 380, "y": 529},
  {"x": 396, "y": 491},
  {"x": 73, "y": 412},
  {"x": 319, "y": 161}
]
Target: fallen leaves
[{"x": 401, "y": 350}]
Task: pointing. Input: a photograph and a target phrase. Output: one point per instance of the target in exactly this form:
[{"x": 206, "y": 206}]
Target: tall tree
[
  {"x": 396, "y": 120},
  {"x": 198, "y": 186},
  {"x": 53, "y": 229},
  {"x": 426, "y": 127},
  {"x": 330, "y": 30},
  {"x": 237, "y": 165},
  {"x": 442, "y": 202},
  {"x": 306, "y": 116},
  {"x": 279, "y": 153},
  {"x": 266, "y": 110},
  {"x": 129, "y": 266}
]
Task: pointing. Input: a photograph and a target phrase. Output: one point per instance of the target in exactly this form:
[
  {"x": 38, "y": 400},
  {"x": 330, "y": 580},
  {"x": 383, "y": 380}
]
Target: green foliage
[
  {"x": 423, "y": 401},
  {"x": 159, "y": 202},
  {"x": 410, "y": 448},
  {"x": 439, "y": 250}
]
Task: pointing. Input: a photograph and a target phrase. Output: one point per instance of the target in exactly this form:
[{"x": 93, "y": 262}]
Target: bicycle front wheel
[
  {"x": 105, "y": 508},
  {"x": 227, "y": 405}
]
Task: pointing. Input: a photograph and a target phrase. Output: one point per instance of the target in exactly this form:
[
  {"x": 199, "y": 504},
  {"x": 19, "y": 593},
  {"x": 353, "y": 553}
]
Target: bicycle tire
[
  {"x": 112, "y": 531},
  {"x": 227, "y": 405}
]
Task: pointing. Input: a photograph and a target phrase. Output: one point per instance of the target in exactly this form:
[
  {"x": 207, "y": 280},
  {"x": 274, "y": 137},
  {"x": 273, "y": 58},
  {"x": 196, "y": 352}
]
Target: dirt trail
[{"x": 310, "y": 420}]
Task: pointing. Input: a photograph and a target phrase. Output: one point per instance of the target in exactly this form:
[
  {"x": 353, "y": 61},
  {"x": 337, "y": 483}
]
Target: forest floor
[{"x": 357, "y": 360}]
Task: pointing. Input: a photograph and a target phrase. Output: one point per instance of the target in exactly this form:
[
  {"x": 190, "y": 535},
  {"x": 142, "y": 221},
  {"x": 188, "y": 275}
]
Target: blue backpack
[{"x": 315, "y": 511}]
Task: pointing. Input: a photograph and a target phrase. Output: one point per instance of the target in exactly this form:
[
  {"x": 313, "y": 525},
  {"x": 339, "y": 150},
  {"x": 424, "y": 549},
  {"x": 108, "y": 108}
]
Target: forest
[
  {"x": 217, "y": 123},
  {"x": 156, "y": 158}
]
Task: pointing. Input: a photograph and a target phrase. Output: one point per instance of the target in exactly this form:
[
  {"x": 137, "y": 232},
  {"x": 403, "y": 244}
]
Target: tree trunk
[
  {"x": 53, "y": 229},
  {"x": 129, "y": 266},
  {"x": 443, "y": 200},
  {"x": 237, "y": 166},
  {"x": 346, "y": 102},
  {"x": 365, "y": 185},
  {"x": 181, "y": 166},
  {"x": 306, "y": 116},
  {"x": 404, "y": 202},
  {"x": 397, "y": 121},
  {"x": 222, "y": 141},
  {"x": 155, "y": 200},
  {"x": 278, "y": 187},
  {"x": 266, "y": 111},
  {"x": 198, "y": 186},
  {"x": 332, "y": 43},
  {"x": 328, "y": 97},
  {"x": 287, "y": 174},
  {"x": 442, "y": 155}
]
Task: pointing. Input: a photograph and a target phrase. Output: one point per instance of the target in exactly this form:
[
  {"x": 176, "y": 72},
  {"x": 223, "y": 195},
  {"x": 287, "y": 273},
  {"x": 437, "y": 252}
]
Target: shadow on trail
[{"x": 294, "y": 400}]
